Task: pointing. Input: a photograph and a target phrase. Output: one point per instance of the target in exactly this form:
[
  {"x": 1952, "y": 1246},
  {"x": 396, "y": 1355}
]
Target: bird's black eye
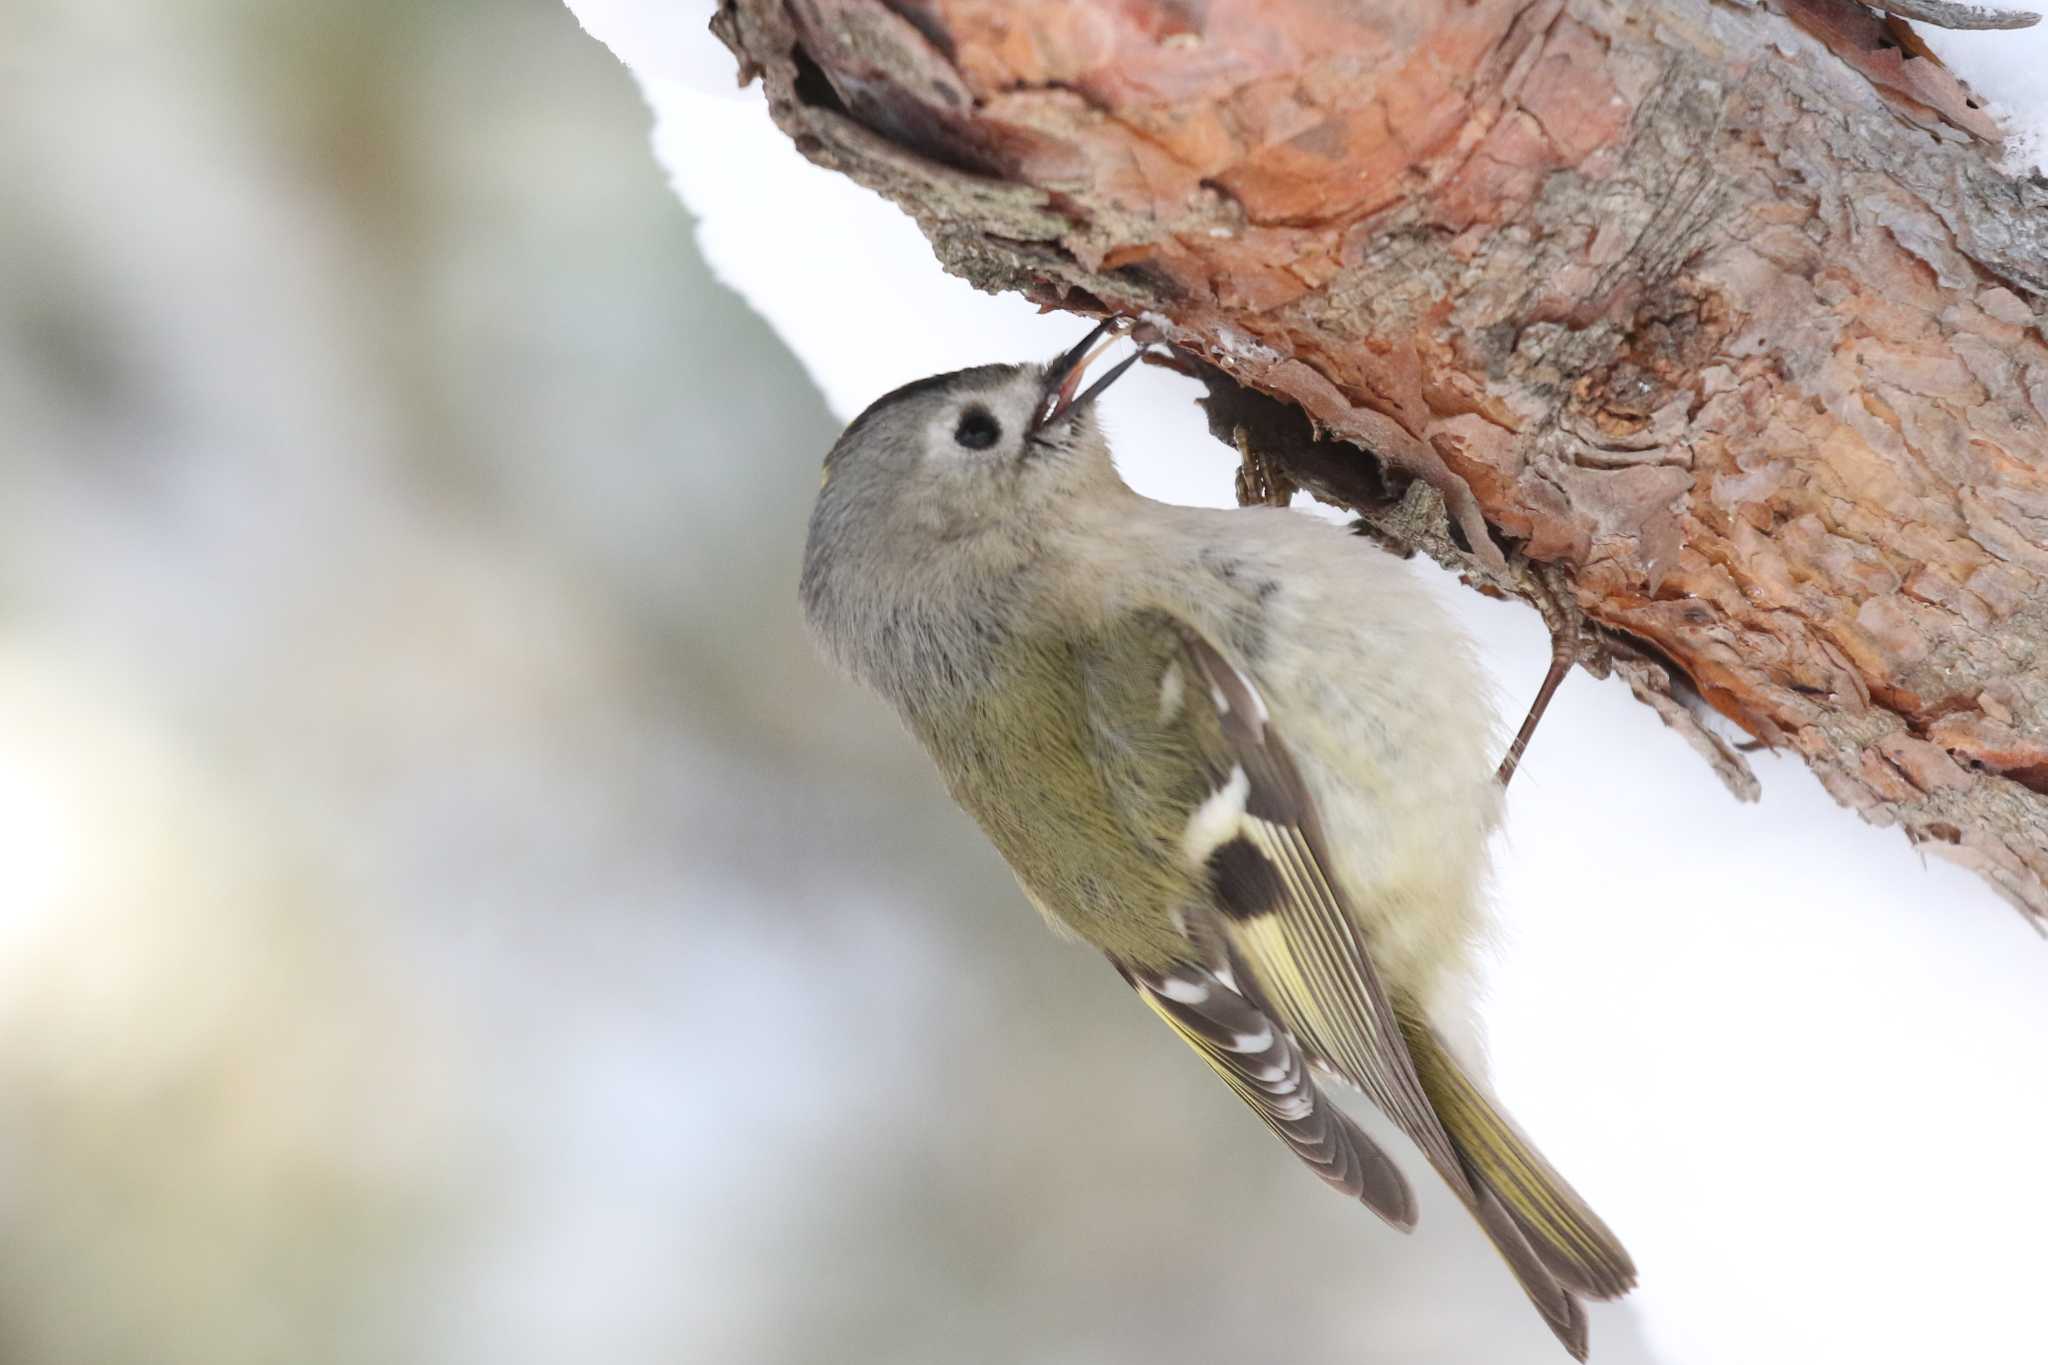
[{"x": 978, "y": 429}]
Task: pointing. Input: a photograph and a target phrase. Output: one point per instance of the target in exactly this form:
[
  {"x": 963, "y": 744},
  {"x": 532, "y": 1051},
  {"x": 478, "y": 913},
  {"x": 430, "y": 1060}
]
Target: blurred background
[{"x": 448, "y": 915}]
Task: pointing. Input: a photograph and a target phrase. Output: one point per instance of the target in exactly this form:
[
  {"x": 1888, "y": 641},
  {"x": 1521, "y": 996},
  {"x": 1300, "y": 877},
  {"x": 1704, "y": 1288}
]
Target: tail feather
[
  {"x": 1562, "y": 1313},
  {"x": 1566, "y": 1236}
]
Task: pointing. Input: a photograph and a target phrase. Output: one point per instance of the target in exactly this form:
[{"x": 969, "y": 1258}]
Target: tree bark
[{"x": 1714, "y": 329}]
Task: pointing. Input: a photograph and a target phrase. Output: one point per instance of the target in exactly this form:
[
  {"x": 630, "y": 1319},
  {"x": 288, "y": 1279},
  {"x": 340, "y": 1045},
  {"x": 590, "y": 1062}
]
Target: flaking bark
[{"x": 1713, "y": 329}]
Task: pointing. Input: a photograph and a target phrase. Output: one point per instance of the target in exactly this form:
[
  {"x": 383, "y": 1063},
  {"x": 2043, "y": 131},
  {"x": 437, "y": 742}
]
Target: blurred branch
[{"x": 1723, "y": 318}]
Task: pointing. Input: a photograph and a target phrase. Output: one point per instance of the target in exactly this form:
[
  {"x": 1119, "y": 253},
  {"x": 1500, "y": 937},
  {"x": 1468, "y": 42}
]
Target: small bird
[{"x": 1239, "y": 752}]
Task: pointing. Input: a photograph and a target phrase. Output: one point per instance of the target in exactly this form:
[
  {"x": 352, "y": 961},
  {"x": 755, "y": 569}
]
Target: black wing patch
[{"x": 1244, "y": 880}]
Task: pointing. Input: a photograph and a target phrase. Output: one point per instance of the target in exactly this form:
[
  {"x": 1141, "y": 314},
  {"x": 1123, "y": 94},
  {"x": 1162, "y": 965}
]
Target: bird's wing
[
  {"x": 1279, "y": 907},
  {"x": 1259, "y": 1061},
  {"x": 1184, "y": 743},
  {"x": 1290, "y": 945},
  {"x": 1148, "y": 755}
]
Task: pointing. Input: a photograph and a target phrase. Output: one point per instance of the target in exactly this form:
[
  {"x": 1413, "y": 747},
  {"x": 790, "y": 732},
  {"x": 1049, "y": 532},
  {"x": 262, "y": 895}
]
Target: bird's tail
[{"x": 1524, "y": 1205}]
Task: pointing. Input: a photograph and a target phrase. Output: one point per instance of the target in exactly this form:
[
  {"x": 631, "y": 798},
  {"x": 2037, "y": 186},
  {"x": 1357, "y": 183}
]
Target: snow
[{"x": 1793, "y": 1062}]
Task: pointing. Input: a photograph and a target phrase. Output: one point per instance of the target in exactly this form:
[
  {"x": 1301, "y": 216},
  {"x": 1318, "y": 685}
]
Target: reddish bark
[{"x": 1722, "y": 317}]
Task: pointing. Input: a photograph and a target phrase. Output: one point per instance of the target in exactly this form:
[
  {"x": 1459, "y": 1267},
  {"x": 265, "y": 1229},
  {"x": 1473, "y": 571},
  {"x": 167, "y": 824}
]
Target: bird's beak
[{"x": 1063, "y": 376}]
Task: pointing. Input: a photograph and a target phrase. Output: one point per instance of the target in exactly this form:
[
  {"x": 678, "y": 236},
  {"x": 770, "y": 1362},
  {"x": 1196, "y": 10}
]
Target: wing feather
[
  {"x": 1305, "y": 951},
  {"x": 1269, "y": 1073},
  {"x": 1280, "y": 977}
]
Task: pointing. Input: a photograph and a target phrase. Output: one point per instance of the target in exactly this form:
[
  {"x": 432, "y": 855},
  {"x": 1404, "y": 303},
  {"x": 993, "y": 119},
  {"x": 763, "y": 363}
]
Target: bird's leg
[
  {"x": 1561, "y": 659},
  {"x": 1563, "y": 622},
  {"x": 1260, "y": 482}
]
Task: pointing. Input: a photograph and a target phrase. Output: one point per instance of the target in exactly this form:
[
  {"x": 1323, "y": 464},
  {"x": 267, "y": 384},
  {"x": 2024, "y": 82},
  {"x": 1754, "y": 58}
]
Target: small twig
[{"x": 1944, "y": 14}]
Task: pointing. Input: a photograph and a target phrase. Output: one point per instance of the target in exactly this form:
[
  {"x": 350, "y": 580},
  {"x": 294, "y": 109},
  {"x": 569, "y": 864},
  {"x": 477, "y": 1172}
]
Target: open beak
[{"x": 1063, "y": 376}]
